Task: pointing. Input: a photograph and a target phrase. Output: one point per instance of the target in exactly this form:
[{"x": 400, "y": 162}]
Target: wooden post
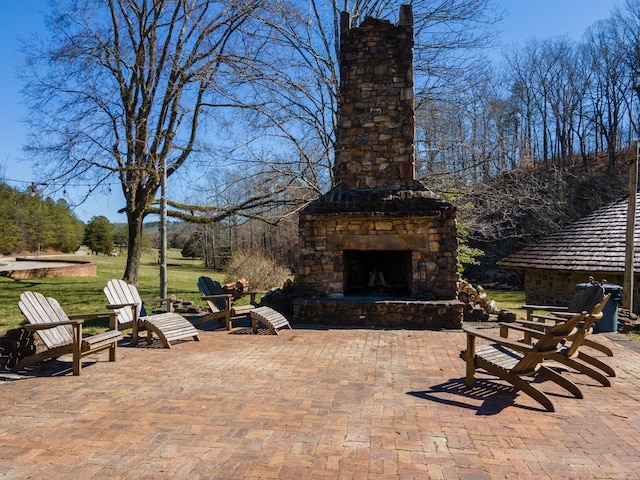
[
  {"x": 629, "y": 271},
  {"x": 470, "y": 359},
  {"x": 76, "y": 330},
  {"x": 163, "y": 230}
]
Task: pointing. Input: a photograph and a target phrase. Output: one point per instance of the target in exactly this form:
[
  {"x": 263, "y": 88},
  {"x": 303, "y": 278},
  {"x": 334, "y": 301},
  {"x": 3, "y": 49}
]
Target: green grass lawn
[
  {"x": 84, "y": 294},
  {"x": 508, "y": 300}
]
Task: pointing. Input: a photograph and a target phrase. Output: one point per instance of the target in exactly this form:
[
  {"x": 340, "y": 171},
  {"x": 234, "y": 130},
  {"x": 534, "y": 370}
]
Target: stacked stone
[
  {"x": 376, "y": 118},
  {"x": 431, "y": 240},
  {"x": 379, "y": 248}
]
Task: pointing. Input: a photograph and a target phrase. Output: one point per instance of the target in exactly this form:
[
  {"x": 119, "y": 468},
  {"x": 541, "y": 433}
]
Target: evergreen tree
[
  {"x": 29, "y": 222},
  {"x": 192, "y": 248},
  {"x": 98, "y": 235}
]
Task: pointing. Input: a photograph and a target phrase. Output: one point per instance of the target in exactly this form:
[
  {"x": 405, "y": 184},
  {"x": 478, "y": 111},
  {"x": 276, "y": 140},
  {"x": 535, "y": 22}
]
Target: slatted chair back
[
  {"x": 120, "y": 292},
  {"x": 586, "y": 299},
  {"x": 38, "y": 309},
  {"x": 207, "y": 287},
  {"x": 142, "y": 312},
  {"x": 548, "y": 343},
  {"x": 586, "y": 327}
]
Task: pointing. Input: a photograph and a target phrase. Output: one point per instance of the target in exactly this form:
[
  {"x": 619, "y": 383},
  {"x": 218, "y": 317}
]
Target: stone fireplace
[{"x": 379, "y": 249}]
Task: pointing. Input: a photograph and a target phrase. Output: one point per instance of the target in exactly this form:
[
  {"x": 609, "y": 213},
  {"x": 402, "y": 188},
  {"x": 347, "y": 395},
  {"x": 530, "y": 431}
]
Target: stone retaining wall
[
  {"x": 556, "y": 287},
  {"x": 67, "y": 268},
  {"x": 381, "y": 314}
]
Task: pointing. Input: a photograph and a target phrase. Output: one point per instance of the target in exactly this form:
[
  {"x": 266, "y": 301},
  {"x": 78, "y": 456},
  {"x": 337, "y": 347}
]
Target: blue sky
[{"x": 524, "y": 19}]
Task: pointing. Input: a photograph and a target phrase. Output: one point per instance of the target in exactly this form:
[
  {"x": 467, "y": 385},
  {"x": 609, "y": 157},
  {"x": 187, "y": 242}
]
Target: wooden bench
[{"x": 271, "y": 319}]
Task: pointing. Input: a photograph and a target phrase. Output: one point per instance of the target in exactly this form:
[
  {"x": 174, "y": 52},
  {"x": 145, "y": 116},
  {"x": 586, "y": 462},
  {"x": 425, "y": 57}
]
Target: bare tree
[
  {"x": 627, "y": 22},
  {"x": 293, "y": 92},
  {"x": 122, "y": 88},
  {"x": 610, "y": 82}
]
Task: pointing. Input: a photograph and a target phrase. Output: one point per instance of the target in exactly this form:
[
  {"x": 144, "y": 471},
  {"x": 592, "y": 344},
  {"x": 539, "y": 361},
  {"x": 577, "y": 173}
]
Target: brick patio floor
[{"x": 311, "y": 404}]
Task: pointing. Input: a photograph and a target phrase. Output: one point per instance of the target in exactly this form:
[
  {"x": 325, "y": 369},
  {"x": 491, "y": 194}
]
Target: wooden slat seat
[
  {"x": 60, "y": 334},
  {"x": 125, "y": 301},
  {"x": 270, "y": 318}
]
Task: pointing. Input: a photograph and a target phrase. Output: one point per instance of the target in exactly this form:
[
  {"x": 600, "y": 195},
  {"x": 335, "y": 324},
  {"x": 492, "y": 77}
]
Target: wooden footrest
[
  {"x": 271, "y": 319},
  {"x": 169, "y": 327}
]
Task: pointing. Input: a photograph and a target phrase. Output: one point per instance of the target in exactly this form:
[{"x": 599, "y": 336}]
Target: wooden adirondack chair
[
  {"x": 583, "y": 301},
  {"x": 125, "y": 301},
  {"x": 61, "y": 334},
  {"x": 512, "y": 360},
  {"x": 571, "y": 353},
  {"x": 220, "y": 305}
]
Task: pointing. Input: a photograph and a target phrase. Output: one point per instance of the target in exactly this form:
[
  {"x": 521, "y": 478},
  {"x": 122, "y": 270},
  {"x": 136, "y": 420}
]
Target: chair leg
[
  {"x": 582, "y": 368},
  {"x": 77, "y": 344},
  {"x": 560, "y": 380},
  {"x": 530, "y": 390},
  {"x": 470, "y": 356},
  {"x": 597, "y": 363},
  {"x": 134, "y": 333},
  {"x": 598, "y": 346},
  {"x": 113, "y": 352}
]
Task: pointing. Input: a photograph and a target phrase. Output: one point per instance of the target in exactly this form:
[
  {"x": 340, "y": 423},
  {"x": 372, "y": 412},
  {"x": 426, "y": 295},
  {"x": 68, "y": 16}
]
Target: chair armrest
[
  {"x": 533, "y": 325},
  {"x": 227, "y": 297},
  {"x": 556, "y": 317},
  {"x": 253, "y": 294},
  {"x": 513, "y": 344},
  {"x": 549, "y": 308},
  {"x": 213, "y": 297},
  {"x": 114, "y": 306},
  {"x": 537, "y": 329},
  {"x": 148, "y": 301},
  {"x": 90, "y": 316},
  {"x": 46, "y": 326}
]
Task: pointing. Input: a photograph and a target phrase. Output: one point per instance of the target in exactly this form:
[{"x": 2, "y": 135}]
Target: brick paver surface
[{"x": 311, "y": 404}]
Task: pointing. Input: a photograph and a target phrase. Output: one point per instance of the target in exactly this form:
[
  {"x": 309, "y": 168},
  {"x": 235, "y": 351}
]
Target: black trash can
[{"x": 609, "y": 320}]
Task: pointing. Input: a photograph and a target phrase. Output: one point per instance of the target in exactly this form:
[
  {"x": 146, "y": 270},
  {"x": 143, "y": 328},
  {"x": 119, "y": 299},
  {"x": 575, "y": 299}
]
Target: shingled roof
[{"x": 595, "y": 243}]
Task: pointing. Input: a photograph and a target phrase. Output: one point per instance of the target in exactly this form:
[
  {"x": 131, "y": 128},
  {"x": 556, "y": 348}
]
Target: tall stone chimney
[
  {"x": 375, "y": 138},
  {"x": 379, "y": 248}
]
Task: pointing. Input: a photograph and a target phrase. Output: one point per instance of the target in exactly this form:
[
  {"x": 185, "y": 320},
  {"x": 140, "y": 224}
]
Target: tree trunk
[{"x": 134, "y": 249}]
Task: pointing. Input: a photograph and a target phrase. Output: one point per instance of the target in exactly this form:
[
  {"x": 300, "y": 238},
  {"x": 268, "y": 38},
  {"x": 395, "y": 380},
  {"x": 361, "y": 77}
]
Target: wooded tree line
[
  {"x": 31, "y": 223},
  {"x": 551, "y": 101},
  {"x": 236, "y": 101}
]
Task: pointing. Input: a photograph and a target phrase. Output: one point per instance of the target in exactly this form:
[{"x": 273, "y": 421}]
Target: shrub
[{"x": 261, "y": 271}]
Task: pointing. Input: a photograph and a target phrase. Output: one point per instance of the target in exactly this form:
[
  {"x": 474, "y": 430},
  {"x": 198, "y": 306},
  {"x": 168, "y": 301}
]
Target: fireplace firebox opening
[{"x": 377, "y": 273}]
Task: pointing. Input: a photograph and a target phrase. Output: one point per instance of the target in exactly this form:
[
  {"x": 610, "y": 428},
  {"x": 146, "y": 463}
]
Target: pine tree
[{"x": 98, "y": 235}]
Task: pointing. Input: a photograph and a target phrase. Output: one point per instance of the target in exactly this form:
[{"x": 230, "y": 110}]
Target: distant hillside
[{"x": 530, "y": 202}]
